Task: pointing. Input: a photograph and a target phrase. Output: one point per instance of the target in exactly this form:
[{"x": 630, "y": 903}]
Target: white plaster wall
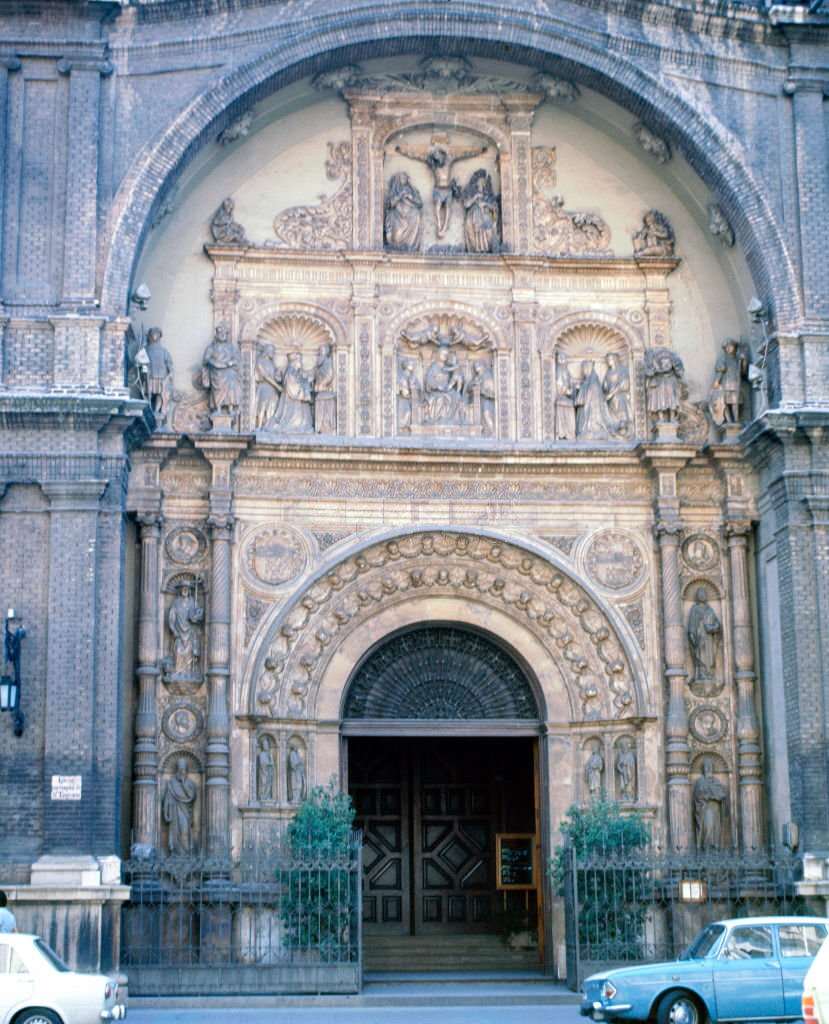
[{"x": 600, "y": 167}]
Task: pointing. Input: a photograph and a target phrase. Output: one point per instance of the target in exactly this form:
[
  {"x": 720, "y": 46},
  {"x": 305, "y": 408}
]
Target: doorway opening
[{"x": 439, "y": 816}]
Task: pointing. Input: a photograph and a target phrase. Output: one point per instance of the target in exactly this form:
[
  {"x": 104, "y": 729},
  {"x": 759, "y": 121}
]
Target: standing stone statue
[
  {"x": 616, "y": 387},
  {"x": 158, "y": 376},
  {"x": 268, "y": 386},
  {"x": 591, "y": 408},
  {"x": 325, "y": 397},
  {"x": 296, "y": 775},
  {"x": 565, "y": 409},
  {"x": 484, "y": 380},
  {"x": 408, "y": 394},
  {"x": 664, "y": 384},
  {"x": 480, "y": 226},
  {"x": 593, "y": 771},
  {"x": 225, "y": 230},
  {"x": 295, "y": 414},
  {"x": 626, "y": 768},
  {"x": 265, "y": 769},
  {"x": 184, "y": 622},
  {"x": 710, "y": 797},
  {"x": 440, "y": 158},
  {"x": 403, "y": 220},
  {"x": 177, "y": 811},
  {"x": 704, "y": 636},
  {"x": 655, "y": 237},
  {"x": 221, "y": 376},
  {"x": 725, "y": 399}
]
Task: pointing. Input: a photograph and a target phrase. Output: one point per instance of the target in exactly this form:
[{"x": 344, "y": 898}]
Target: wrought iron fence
[
  {"x": 265, "y": 922},
  {"x": 643, "y": 906}
]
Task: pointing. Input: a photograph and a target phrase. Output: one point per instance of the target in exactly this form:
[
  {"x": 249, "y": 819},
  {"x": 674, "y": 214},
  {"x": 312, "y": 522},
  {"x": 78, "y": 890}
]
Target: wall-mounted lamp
[{"x": 10, "y": 684}]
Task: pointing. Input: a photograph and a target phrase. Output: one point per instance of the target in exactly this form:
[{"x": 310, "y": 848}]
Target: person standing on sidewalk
[{"x": 7, "y": 921}]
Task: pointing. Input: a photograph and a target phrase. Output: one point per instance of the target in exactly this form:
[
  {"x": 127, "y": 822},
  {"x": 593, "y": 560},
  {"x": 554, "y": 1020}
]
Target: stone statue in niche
[
  {"x": 710, "y": 797},
  {"x": 593, "y": 771},
  {"x": 265, "y": 770},
  {"x": 484, "y": 380},
  {"x": 296, "y": 775},
  {"x": 664, "y": 384},
  {"x": 592, "y": 422},
  {"x": 325, "y": 399},
  {"x": 268, "y": 386},
  {"x": 408, "y": 394},
  {"x": 225, "y": 230},
  {"x": 704, "y": 636},
  {"x": 626, "y": 768},
  {"x": 221, "y": 377},
  {"x": 482, "y": 214},
  {"x": 403, "y": 220},
  {"x": 440, "y": 157},
  {"x": 616, "y": 387},
  {"x": 154, "y": 375},
  {"x": 294, "y": 412},
  {"x": 565, "y": 409},
  {"x": 184, "y": 621},
  {"x": 177, "y": 806},
  {"x": 725, "y": 398},
  {"x": 655, "y": 237}
]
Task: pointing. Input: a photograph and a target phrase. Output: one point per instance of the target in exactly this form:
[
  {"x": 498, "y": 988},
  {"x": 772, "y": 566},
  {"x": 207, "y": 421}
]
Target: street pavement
[{"x": 438, "y": 1014}]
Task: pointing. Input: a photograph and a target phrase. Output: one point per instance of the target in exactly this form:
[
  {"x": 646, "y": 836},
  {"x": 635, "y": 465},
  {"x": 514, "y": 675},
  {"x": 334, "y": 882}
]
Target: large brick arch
[{"x": 518, "y": 32}]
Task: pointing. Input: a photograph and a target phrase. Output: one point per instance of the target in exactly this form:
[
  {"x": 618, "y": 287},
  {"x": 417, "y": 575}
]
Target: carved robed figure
[
  {"x": 403, "y": 223},
  {"x": 220, "y": 373},
  {"x": 704, "y": 635},
  {"x": 710, "y": 797},
  {"x": 177, "y": 808},
  {"x": 440, "y": 157},
  {"x": 183, "y": 620},
  {"x": 325, "y": 400},
  {"x": 294, "y": 414},
  {"x": 565, "y": 409},
  {"x": 480, "y": 226}
]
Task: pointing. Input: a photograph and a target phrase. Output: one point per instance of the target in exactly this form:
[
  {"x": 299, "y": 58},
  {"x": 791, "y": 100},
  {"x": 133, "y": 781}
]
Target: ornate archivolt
[{"x": 601, "y": 672}]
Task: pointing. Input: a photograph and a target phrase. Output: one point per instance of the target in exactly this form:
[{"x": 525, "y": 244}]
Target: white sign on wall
[{"x": 67, "y": 787}]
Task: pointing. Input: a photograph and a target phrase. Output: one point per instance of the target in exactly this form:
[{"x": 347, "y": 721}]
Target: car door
[
  {"x": 799, "y": 944},
  {"x": 16, "y": 982},
  {"x": 747, "y": 977}
]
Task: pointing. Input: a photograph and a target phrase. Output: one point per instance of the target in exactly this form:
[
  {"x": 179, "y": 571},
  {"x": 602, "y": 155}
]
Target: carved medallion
[
  {"x": 614, "y": 561},
  {"x": 275, "y": 555},
  {"x": 700, "y": 552},
  {"x": 707, "y": 724},
  {"x": 182, "y": 722},
  {"x": 185, "y": 544}
]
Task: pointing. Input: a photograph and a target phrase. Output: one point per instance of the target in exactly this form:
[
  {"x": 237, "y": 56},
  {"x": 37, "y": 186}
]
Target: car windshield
[
  {"x": 703, "y": 943},
  {"x": 51, "y": 955}
]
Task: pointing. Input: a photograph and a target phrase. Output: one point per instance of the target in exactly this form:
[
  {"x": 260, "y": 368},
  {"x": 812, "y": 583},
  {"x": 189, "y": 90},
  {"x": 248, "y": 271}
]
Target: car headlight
[{"x": 608, "y": 990}]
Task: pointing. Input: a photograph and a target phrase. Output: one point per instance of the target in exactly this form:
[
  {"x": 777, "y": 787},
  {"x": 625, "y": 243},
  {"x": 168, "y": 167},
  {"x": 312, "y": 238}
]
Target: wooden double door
[{"x": 430, "y": 810}]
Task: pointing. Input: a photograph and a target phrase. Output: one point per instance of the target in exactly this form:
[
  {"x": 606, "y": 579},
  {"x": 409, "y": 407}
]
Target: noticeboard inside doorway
[{"x": 516, "y": 860}]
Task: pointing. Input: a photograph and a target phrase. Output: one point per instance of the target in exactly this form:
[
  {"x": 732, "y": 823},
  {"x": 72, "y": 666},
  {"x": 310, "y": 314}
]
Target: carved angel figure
[
  {"x": 664, "y": 384},
  {"x": 440, "y": 157},
  {"x": 225, "y": 230},
  {"x": 655, "y": 237},
  {"x": 403, "y": 222},
  {"x": 480, "y": 226}
]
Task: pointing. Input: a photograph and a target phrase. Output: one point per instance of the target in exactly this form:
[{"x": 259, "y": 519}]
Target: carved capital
[
  {"x": 668, "y": 528},
  {"x": 149, "y": 522},
  {"x": 67, "y": 65},
  {"x": 220, "y": 526},
  {"x": 10, "y": 63},
  {"x": 816, "y": 83},
  {"x": 737, "y": 529}
]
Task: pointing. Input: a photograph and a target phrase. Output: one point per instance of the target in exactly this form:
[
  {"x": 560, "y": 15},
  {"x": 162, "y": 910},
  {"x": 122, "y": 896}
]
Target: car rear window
[
  {"x": 51, "y": 955},
  {"x": 801, "y": 939}
]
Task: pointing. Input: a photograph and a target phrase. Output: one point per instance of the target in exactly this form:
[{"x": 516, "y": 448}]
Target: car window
[
  {"x": 801, "y": 939},
  {"x": 51, "y": 955},
  {"x": 704, "y": 942},
  {"x": 748, "y": 942},
  {"x": 5, "y": 957}
]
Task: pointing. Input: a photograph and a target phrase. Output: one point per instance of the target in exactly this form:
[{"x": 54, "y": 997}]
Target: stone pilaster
[
  {"x": 145, "y": 758},
  {"x": 7, "y": 64},
  {"x": 363, "y": 302},
  {"x": 749, "y": 756}
]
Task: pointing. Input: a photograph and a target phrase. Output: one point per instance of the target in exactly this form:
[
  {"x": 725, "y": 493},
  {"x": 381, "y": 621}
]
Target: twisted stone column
[
  {"x": 749, "y": 757},
  {"x": 145, "y": 759},
  {"x": 217, "y": 784},
  {"x": 677, "y": 748}
]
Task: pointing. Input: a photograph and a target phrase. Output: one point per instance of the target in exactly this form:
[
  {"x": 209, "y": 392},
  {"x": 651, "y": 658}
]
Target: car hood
[{"x": 685, "y": 967}]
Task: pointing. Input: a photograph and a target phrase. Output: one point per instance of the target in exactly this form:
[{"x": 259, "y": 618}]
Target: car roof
[
  {"x": 792, "y": 919},
  {"x": 16, "y": 938}
]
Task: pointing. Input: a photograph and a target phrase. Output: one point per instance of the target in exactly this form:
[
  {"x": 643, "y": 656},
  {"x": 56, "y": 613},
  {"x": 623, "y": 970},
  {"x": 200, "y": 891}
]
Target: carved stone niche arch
[
  {"x": 588, "y": 667},
  {"x": 293, "y": 327}
]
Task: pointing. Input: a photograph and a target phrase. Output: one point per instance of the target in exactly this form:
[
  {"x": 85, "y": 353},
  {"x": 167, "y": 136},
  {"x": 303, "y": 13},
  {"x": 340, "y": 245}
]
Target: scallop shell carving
[
  {"x": 295, "y": 331},
  {"x": 590, "y": 340}
]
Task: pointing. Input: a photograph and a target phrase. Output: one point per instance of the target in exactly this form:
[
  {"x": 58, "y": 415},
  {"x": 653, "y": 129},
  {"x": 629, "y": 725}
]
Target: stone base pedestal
[
  {"x": 666, "y": 431},
  {"x": 221, "y": 422},
  {"x": 730, "y": 433},
  {"x": 74, "y": 903}
]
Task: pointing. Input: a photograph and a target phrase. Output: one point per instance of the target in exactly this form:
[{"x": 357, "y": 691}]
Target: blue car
[{"x": 746, "y": 969}]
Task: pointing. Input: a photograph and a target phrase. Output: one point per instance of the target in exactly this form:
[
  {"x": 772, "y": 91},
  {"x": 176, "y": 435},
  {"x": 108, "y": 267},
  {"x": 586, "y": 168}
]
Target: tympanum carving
[
  {"x": 592, "y": 384},
  {"x": 556, "y": 231},
  {"x": 655, "y": 237},
  {"x": 221, "y": 377},
  {"x": 719, "y": 227},
  {"x": 224, "y": 229},
  {"x": 481, "y": 214},
  {"x": 652, "y": 143},
  {"x": 403, "y": 220},
  {"x": 326, "y": 225},
  {"x": 438, "y": 75}
]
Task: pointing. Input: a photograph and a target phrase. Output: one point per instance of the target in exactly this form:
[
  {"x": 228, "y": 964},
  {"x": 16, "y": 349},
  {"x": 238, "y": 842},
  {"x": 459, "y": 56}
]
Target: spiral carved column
[
  {"x": 749, "y": 756},
  {"x": 677, "y": 748},
  {"x": 217, "y": 786},
  {"x": 145, "y": 762}
]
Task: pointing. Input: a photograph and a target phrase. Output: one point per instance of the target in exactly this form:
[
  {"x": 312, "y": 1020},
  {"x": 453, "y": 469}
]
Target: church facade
[{"x": 438, "y": 410}]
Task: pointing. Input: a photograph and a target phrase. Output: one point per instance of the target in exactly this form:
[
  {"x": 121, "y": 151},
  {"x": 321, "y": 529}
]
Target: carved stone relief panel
[
  {"x": 557, "y": 231},
  {"x": 614, "y": 561},
  {"x": 273, "y": 556},
  {"x": 327, "y": 224},
  {"x": 712, "y": 803},
  {"x": 704, "y": 633},
  {"x": 180, "y": 786},
  {"x": 626, "y": 769},
  {"x": 184, "y": 608},
  {"x": 185, "y": 545},
  {"x": 182, "y": 721},
  {"x": 594, "y": 786}
]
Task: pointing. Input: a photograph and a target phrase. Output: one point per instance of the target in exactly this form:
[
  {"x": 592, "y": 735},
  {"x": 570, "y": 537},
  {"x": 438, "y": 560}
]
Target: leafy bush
[{"x": 317, "y": 906}]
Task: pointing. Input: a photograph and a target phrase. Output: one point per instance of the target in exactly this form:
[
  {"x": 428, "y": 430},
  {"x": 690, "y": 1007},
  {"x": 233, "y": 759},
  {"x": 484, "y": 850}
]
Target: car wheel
[
  {"x": 679, "y": 1008},
  {"x": 37, "y": 1017}
]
